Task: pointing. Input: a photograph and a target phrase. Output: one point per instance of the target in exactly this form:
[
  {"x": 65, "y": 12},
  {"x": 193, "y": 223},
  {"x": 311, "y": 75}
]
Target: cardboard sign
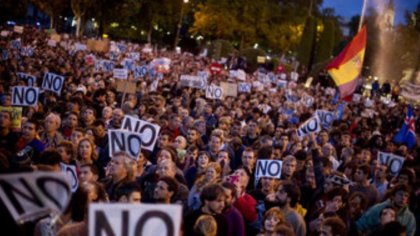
[
  {"x": 241, "y": 75},
  {"x": 16, "y": 113},
  {"x": 55, "y": 37},
  {"x": 52, "y": 43},
  {"x": 326, "y": 118},
  {"x": 148, "y": 132},
  {"x": 214, "y": 92},
  {"x": 268, "y": 168},
  {"x": 307, "y": 100},
  {"x": 29, "y": 196},
  {"x": 18, "y": 29},
  {"x": 193, "y": 82},
  {"x": 134, "y": 219},
  {"x": 30, "y": 79},
  {"x": 126, "y": 141},
  {"x": 244, "y": 87},
  {"x": 120, "y": 73},
  {"x": 394, "y": 162},
  {"x": 71, "y": 174},
  {"x": 261, "y": 59},
  {"x": 25, "y": 96},
  {"x": 53, "y": 82},
  {"x": 126, "y": 86},
  {"x": 312, "y": 125},
  {"x": 4, "y": 33},
  {"x": 294, "y": 76},
  {"x": 229, "y": 89}
]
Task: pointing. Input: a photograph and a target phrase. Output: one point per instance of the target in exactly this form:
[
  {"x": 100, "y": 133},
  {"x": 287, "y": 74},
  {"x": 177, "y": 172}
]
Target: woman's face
[
  {"x": 164, "y": 155},
  {"x": 270, "y": 223},
  {"x": 211, "y": 174},
  {"x": 243, "y": 177},
  {"x": 203, "y": 161},
  {"x": 85, "y": 150}
]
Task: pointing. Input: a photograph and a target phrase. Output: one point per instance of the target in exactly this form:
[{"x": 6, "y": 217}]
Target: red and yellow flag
[{"x": 346, "y": 67}]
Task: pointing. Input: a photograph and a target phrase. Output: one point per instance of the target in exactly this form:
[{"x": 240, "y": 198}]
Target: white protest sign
[
  {"x": 80, "y": 47},
  {"x": 134, "y": 55},
  {"x": 203, "y": 74},
  {"x": 52, "y": 43},
  {"x": 141, "y": 71},
  {"x": 29, "y": 196},
  {"x": 71, "y": 173},
  {"x": 30, "y": 79},
  {"x": 4, "y": 33},
  {"x": 193, "y": 81},
  {"x": 244, "y": 87},
  {"x": 241, "y": 75},
  {"x": 128, "y": 64},
  {"x": 18, "y": 29},
  {"x": 229, "y": 89},
  {"x": 131, "y": 219},
  {"x": 126, "y": 141},
  {"x": 330, "y": 91},
  {"x": 120, "y": 73},
  {"x": 356, "y": 97},
  {"x": 281, "y": 83},
  {"x": 53, "y": 82},
  {"x": 326, "y": 118},
  {"x": 214, "y": 92},
  {"x": 25, "y": 96},
  {"x": 394, "y": 162},
  {"x": 148, "y": 132},
  {"x": 307, "y": 100},
  {"x": 268, "y": 168},
  {"x": 294, "y": 76},
  {"x": 312, "y": 125}
]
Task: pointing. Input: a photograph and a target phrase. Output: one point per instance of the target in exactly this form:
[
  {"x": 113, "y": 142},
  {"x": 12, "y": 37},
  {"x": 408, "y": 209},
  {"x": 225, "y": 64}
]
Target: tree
[
  {"x": 53, "y": 8},
  {"x": 79, "y": 8},
  {"x": 307, "y": 42},
  {"x": 12, "y": 9}
]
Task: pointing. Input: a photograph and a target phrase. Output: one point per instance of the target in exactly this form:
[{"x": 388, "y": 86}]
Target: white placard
[
  {"x": 4, "y": 33},
  {"x": 71, "y": 173},
  {"x": 52, "y": 43},
  {"x": 134, "y": 219},
  {"x": 120, "y": 73},
  {"x": 294, "y": 76},
  {"x": 394, "y": 162},
  {"x": 30, "y": 79},
  {"x": 214, "y": 92},
  {"x": 244, "y": 87},
  {"x": 53, "y": 82},
  {"x": 281, "y": 83},
  {"x": 29, "y": 196},
  {"x": 80, "y": 47},
  {"x": 193, "y": 81},
  {"x": 312, "y": 125},
  {"x": 268, "y": 168},
  {"x": 25, "y": 96},
  {"x": 307, "y": 100},
  {"x": 18, "y": 29},
  {"x": 126, "y": 141},
  {"x": 148, "y": 132}
]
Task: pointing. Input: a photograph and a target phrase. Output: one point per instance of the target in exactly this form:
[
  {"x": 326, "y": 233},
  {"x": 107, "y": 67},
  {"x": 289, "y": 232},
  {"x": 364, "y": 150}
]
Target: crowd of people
[{"x": 207, "y": 150}]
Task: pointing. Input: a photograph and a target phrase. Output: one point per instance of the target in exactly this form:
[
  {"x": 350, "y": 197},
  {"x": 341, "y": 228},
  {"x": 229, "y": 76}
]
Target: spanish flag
[{"x": 346, "y": 67}]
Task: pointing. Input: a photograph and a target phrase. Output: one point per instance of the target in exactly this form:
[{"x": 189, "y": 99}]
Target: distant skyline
[{"x": 349, "y": 8}]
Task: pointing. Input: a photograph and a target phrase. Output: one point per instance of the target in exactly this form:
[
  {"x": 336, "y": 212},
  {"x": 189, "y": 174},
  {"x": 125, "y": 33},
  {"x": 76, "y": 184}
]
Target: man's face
[
  {"x": 135, "y": 197},
  {"x": 248, "y": 159},
  {"x": 229, "y": 198},
  {"x": 50, "y": 125},
  {"x": 289, "y": 167},
  {"x": 252, "y": 128},
  {"x": 28, "y": 131},
  {"x": 87, "y": 175},
  {"x": 165, "y": 168},
  {"x": 162, "y": 192},
  {"x": 192, "y": 136},
  {"x": 88, "y": 115},
  {"x": 381, "y": 171},
  {"x": 323, "y": 136},
  {"x": 216, "y": 206},
  {"x": 401, "y": 198},
  {"x": 359, "y": 175},
  {"x": 117, "y": 168},
  {"x": 72, "y": 120},
  {"x": 215, "y": 143},
  {"x": 99, "y": 131},
  {"x": 5, "y": 120},
  {"x": 163, "y": 141},
  {"x": 281, "y": 196}
]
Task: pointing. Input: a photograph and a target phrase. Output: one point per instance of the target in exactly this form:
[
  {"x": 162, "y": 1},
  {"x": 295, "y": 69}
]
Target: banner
[
  {"x": 193, "y": 82},
  {"x": 148, "y": 132},
  {"x": 134, "y": 219},
  {"x": 394, "y": 162},
  {"x": 25, "y": 96},
  {"x": 126, "y": 86},
  {"x": 120, "y": 73},
  {"x": 307, "y": 100},
  {"x": 326, "y": 118},
  {"x": 244, "y": 87},
  {"x": 16, "y": 118},
  {"x": 29, "y": 196},
  {"x": 268, "y": 168},
  {"x": 312, "y": 125}
]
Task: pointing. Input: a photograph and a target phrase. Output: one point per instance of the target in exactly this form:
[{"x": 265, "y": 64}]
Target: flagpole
[{"x": 362, "y": 15}]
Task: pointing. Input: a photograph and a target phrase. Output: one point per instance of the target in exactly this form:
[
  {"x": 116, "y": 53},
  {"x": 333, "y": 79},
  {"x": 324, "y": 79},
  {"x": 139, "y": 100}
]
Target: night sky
[{"x": 349, "y": 8}]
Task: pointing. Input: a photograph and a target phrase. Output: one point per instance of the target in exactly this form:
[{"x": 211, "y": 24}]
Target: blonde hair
[
  {"x": 55, "y": 118},
  {"x": 205, "y": 225}
]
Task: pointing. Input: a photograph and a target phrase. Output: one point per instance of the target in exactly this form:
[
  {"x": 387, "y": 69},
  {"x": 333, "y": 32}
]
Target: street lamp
[{"x": 178, "y": 30}]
